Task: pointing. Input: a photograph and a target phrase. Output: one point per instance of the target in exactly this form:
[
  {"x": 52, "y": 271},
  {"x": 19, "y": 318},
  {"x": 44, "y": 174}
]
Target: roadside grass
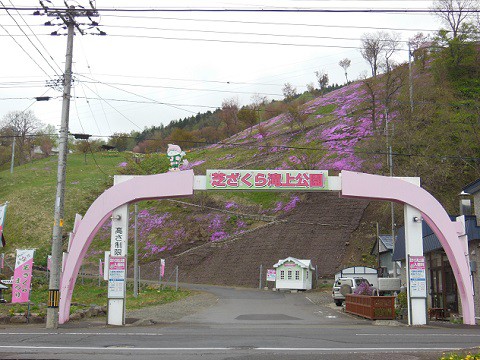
[
  {"x": 88, "y": 293},
  {"x": 31, "y": 189}
]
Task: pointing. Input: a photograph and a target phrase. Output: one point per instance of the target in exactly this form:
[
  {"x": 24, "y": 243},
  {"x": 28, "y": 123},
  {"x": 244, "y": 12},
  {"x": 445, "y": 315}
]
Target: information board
[
  {"x": 117, "y": 266},
  {"x": 417, "y": 276},
  {"x": 271, "y": 275}
]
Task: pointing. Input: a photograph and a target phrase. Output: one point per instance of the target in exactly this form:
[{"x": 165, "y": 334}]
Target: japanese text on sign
[
  {"x": 116, "y": 277},
  {"x": 22, "y": 276},
  {"x": 267, "y": 179},
  {"x": 418, "y": 281},
  {"x": 118, "y": 241}
]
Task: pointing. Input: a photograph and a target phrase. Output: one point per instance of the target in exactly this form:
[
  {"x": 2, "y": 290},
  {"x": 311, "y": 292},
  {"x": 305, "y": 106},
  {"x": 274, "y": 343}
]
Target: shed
[{"x": 294, "y": 274}]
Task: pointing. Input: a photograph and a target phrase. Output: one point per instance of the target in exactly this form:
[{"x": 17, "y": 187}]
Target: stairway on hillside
[{"x": 317, "y": 229}]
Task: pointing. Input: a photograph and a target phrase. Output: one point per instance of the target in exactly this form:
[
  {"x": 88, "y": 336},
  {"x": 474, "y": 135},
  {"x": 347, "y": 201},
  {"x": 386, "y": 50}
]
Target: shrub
[{"x": 364, "y": 289}]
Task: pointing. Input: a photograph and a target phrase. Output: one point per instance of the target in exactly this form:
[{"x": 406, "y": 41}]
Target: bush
[{"x": 364, "y": 289}]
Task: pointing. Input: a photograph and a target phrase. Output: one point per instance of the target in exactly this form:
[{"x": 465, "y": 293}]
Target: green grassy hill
[{"x": 31, "y": 190}]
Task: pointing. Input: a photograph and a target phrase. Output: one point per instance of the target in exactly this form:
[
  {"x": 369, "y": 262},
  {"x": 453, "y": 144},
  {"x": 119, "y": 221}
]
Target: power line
[
  {"x": 36, "y": 38},
  {"x": 132, "y": 93},
  {"x": 267, "y": 23},
  {"x": 240, "y": 33},
  {"x": 170, "y": 87},
  {"x": 25, "y": 51}
]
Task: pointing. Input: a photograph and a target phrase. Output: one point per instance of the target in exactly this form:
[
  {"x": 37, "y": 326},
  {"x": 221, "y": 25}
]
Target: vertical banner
[
  {"x": 162, "y": 268},
  {"x": 3, "y": 213},
  {"x": 22, "y": 276}
]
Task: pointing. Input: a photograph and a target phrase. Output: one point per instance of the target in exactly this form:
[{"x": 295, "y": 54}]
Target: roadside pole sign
[
  {"x": 22, "y": 276},
  {"x": 117, "y": 267},
  {"x": 417, "y": 276}
]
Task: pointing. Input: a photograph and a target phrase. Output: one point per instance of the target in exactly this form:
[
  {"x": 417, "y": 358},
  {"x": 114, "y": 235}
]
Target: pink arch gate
[{"x": 350, "y": 184}]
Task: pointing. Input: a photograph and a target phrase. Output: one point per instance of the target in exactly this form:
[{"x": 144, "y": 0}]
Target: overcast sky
[{"x": 156, "y": 66}]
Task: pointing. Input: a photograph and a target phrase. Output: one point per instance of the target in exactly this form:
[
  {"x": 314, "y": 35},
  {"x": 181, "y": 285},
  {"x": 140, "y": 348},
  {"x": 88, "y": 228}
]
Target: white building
[{"x": 294, "y": 274}]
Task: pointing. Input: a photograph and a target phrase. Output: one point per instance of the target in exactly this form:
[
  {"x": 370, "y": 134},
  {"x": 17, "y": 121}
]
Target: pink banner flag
[
  {"x": 162, "y": 267},
  {"x": 22, "y": 276}
]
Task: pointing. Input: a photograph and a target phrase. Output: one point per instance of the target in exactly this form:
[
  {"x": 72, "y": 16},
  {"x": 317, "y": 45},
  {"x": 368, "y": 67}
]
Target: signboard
[
  {"x": 22, "y": 276},
  {"x": 117, "y": 266},
  {"x": 417, "y": 276},
  {"x": 162, "y": 268},
  {"x": 296, "y": 180},
  {"x": 271, "y": 275}
]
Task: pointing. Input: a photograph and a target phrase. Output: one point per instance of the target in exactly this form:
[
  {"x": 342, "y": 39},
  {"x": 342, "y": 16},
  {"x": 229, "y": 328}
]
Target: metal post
[
  {"x": 176, "y": 278},
  {"x": 260, "y": 282},
  {"x": 54, "y": 283},
  {"x": 13, "y": 154},
  {"x": 135, "y": 255},
  {"x": 160, "y": 273},
  {"x": 395, "y": 274},
  {"x": 139, "y": 276}
]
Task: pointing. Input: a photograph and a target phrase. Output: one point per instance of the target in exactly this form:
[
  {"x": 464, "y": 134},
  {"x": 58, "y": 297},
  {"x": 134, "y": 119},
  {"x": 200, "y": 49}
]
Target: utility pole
[
  {"x": 390, "y": 165},
  {"x": 13, "y": 154},
  {"x": 410, "y": 78},
  {"x": 68, "y": 18}
]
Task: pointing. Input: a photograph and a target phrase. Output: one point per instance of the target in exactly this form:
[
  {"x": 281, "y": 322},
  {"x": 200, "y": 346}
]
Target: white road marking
[
  {"x": 159, "y": 349},
  {"x": 416, "y": 335},
  {"x": 81, "y": 333}
]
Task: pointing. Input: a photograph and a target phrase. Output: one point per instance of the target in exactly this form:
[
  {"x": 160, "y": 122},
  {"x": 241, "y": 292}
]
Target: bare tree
[
  {"x": 322, "y": 79},
  {"x": 391, "y": 43},
  {"x": 419, "y": 44},
  {"x": 23, "y": 124},
  {"x": 345, "y": 64},
  {"x": 289, "y": 91},
  {"x": 454, "y": 13},
  {"x": 372, "y": 46},
  {"x": 378, "y": 49},
  {"x": 295, "y": 115},
  {"x": 229, "y": 115}
]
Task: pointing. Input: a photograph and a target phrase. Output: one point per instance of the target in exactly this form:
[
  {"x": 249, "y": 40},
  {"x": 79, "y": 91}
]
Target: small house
[{"x": 294, "y": 274}]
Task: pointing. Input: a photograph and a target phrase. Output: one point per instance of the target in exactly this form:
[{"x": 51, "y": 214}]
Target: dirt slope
[{"x": 319, "y": 228}]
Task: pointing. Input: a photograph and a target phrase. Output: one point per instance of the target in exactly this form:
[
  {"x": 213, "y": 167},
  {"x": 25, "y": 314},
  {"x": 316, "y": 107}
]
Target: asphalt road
[{"x": 243, "y": 324}]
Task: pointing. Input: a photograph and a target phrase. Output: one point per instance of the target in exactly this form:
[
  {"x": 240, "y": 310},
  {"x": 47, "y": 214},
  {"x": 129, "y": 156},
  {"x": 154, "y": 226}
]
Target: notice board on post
[
  {"x": 417, "y": 276},
  {"x": 117, "y": 267}
]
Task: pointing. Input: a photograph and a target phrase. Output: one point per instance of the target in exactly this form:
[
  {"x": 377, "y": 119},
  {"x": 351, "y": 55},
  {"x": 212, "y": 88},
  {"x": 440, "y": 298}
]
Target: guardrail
[{"x": 371, "y": 307}]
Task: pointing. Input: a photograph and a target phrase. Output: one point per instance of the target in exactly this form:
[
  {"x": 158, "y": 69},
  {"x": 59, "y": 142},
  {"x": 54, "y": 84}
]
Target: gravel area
[{"x": 172, "y": 312}]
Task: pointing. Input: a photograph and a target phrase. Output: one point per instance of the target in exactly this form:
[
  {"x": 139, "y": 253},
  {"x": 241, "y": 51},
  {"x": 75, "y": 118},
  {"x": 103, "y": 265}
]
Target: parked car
[{"x": 344, "y": 286}]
